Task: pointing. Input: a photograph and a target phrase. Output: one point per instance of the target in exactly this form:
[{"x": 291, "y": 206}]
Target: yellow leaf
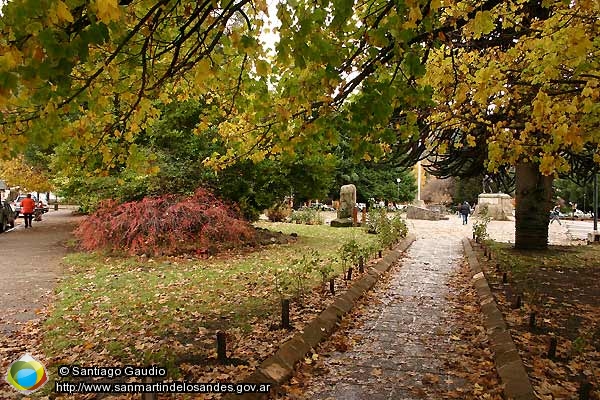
[
  {"x": 62, "y": 11},
  {"x": 471, "y": 140},
  {"x": 11, "y": 58},
  {"x": 262, "y": 68},
  {"x": 203, "y": 71},
  {"x": 108, "y": 10},
  {"x": 547, "y": 164},
  {"x": 261, "y": 5}
]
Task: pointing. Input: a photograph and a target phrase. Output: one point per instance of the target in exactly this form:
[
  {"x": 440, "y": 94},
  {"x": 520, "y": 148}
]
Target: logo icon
[{"x": 26, "y": 374}]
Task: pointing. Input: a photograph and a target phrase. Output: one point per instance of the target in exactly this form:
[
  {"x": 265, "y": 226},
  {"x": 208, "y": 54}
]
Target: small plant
[
  {"x": 325, "y": 268},
  {"x": 399, "y": 226},
  {"x": 350, "y": 252},
  {"x": 385, "y": 236},
  {"x": 296, "y": 276},
  {"x": 480, "y": 228},
  {"x": 376, "y": 219},
  {"x": 388, "y": 231}
]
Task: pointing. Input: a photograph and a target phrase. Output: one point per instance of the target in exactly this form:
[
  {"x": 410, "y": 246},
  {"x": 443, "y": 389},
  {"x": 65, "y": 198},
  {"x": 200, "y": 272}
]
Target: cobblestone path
[{"x": 403, "y": 346}]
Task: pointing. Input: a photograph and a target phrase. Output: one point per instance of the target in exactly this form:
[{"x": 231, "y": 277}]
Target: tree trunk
[{"x": 533, "y": 204}]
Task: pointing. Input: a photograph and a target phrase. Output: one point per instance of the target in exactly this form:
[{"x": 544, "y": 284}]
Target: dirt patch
[{"x": 30, "y": 259}]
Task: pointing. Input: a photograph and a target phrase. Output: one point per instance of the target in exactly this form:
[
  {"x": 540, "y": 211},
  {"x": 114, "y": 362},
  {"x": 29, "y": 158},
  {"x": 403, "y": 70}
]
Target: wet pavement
[{"x": 403, "y": 344}]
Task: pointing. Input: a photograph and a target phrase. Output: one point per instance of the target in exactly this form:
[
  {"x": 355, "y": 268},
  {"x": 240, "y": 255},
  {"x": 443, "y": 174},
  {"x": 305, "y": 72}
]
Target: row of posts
[
  {"x": 221, "y": 338},
  {"x": 585, "y": 388}
]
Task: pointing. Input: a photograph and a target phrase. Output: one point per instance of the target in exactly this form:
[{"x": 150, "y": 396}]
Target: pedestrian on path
[
  {"x": 465, "y": 210},
  {"x": 555, "y": 215},
  {"x": 27, "y": 208}
]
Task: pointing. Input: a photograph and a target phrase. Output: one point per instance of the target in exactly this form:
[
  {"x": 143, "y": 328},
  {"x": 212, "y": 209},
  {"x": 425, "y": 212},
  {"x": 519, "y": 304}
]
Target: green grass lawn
[{"x": 140, "y": 310}]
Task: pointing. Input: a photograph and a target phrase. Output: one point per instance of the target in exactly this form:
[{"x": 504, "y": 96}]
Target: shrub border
[
  {"x": 506, "y": 356},
  {"x": 279, "y": 368}
]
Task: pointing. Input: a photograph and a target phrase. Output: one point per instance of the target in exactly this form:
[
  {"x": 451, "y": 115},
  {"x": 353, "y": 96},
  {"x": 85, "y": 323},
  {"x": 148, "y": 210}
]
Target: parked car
[
  {"x": 321, "y": 207},
  {"x": 581, "y": 214},
  {"x": 7, "y": 216},
  {"x": 16, "y": 204}
]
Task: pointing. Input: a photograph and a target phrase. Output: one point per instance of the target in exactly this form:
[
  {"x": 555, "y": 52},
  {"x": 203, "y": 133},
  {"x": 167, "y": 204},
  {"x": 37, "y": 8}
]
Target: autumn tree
[
  {"x": 179, "y": 153},
  {"x": 26, "y": 174},
  {"x": 520, "y": 84}
]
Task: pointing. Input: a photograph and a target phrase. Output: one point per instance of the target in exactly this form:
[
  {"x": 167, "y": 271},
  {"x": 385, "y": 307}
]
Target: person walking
[
  {"x": 555, "y": 215},
  {"x": 465, "y": 210},
  {"x": 28, "y": 208}
]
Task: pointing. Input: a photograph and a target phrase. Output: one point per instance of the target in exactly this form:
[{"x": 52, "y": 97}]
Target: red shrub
[{"x": 165, "y": 225}]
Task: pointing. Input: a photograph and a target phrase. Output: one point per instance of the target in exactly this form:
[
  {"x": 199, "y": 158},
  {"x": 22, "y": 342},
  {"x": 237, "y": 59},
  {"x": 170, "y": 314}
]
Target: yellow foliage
[
  {"x": 10, "y": 58},
  {"x": 107, "y": 10},
  {"x": 62, "y": 12}
]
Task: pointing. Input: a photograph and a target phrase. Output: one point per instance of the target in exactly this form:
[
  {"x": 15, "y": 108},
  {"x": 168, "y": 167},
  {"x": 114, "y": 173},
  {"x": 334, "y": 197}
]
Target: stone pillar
[{"x": 345, "y": 214}]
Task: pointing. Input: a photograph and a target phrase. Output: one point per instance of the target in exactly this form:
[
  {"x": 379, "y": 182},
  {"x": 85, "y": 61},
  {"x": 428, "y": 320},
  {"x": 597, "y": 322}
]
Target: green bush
[
  {"x": 307, "y": 216},
  {"x": 480, "y": 228},
  {"x": 350, "y": 252},
  {"x": 388, "y": 231},
  {"x": 399, "y": 226},
  {"x": 376, "y": 220}
]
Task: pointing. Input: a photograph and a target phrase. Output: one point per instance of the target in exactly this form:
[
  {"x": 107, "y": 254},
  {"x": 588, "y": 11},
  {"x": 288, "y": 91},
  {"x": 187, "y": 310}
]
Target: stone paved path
[{"x": 402, "y": 347}]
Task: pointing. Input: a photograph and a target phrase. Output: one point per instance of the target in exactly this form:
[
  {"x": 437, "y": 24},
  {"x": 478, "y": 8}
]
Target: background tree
[
  {"x": 26, "y": 173},
  {"x": 440, "y": 191},
  {"x": 178, "y": 156},
  {"x": 520, "y": 81}
]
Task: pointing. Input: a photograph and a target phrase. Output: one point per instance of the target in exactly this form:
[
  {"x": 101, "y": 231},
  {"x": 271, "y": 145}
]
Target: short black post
[
  {"x": 285, "y": 314},
  {"x": 490, "y": 254},
  {"x": 552, "y": 348},
  {"x": 380, "y": 254},
  {"x": 221, "y": 347},
  {"x": 485, "y": 250},
  {"x": 350, "y": 273},
  {"x": 332, "y": 286},
  {"x": 517, "y": 302},
  {"x": 532, "y": 320},
  {"x": 498, "y": 267},
  {"x": 504, "y": 277},
  {"x": 584, "y": 390},
  {"x": 361, "y": 264}
]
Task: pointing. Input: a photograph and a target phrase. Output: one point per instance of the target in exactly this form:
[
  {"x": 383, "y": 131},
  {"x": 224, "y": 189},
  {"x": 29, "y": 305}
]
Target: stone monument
[
  {"x": 347, "y": 205},
  {"x": 499, "y": 206},
  {"x": 415, "y": 212}
]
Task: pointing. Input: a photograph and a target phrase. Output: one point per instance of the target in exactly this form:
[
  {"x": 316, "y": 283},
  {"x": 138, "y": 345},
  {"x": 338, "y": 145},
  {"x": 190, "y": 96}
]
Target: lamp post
[{"x": 398, "y": 187}]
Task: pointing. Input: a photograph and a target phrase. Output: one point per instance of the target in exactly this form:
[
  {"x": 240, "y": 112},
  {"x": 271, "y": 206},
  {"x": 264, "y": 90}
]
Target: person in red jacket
[{"x": 28, "y": 208}]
